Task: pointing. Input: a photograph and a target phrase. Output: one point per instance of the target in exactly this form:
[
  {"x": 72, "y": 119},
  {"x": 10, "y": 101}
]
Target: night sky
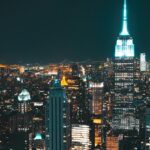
[{"x": 45, "y": 31}]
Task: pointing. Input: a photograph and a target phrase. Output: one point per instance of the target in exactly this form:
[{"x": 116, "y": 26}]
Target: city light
[
  {"x": 81, "y": 136},
  {"x": 72, "y": 104}
]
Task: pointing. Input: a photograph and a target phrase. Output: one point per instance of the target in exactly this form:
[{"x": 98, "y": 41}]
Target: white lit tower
[
  {"x": 124, "y": 47},
  {"x": 24, "y": 101},
  {"x": 143, "y": 63},
  {"x": 21, "y": 122},
  {"x": 24, "y": 107},
  {"x": 123, "y": 105}
]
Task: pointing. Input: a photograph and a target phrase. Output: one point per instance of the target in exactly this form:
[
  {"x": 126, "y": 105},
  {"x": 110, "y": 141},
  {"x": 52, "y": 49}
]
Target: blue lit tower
[
  {"x": 124, "y": 46},
  {"x": 57, "y": 123},
  {"x": 123, "y": 108}
]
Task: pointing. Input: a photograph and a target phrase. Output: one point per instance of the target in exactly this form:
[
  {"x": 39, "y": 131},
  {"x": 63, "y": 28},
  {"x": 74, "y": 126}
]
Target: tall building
[
  {"x": 97, "y": 113},
  {"x": 97, "y": 98},
  {"x": 21, "y": 122},
  {"x": 80, "y": 137},
  {"x": 112, "y": 143},
  {"x": 124, "y": 46},
  {"x": 147, "y": 129},
  {"x": 123, "y": 108},
  {"x": 23, "y": 101},
  {"x": 57, "y": 123},
  {"x": 79, "y": 111},
  {"x": 143, "y": 64},
  {"x": 76, "y": 94}
]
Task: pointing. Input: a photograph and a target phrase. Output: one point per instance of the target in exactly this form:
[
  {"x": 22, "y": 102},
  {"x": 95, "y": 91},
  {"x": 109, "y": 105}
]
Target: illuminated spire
[
  {"x": 125, "y": 22},
  {"x": 63, "y": 81}
]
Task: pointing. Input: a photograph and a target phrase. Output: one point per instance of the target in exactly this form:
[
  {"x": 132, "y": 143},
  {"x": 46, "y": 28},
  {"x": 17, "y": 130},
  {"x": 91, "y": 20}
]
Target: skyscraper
[
  {"x": 23, "y": 119},
  {"x": 20, "y": 122},
  {"x": 80, "y": 137},
  {"x": 97, "y": 112},
  {"x": 124, "y": 46},
  {"x": 79, "y": 111},
  {"x": 147, "y": 129},
  {"x": 123, "y": 105},
  {"x": 57, "y": 124},
  {"x": 143, "y": 64},
  {"x": 23, "y": 101}
]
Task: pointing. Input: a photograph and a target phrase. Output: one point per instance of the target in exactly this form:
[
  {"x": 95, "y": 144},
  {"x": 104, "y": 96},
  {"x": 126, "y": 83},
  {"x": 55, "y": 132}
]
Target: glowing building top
[
  {"x": 55, "y": 83},
  {"x": 125, "y": 21},
  {"x": 38, "y": 136},
  {"x": 124, "y": 46},
  {"x": 24, "y": 96},
  {"x": 63, "y": 81}
]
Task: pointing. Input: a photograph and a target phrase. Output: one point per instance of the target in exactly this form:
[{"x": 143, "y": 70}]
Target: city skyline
[
  {"x": 55, "y": 98},
  {"x": 54, "y": 31}
]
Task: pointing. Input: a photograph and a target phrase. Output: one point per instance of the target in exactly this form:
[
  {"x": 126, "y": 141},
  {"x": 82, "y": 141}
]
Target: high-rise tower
[
  {"x": 124, "y": 46},
  {"x": 123, "y": 105},
  {"x": 57, "y": 123}
]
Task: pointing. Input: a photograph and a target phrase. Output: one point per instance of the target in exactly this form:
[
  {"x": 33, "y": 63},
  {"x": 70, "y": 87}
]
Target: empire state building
[
  {"x": 124, "y": 46},
  {"x": 123, "y": 104}
]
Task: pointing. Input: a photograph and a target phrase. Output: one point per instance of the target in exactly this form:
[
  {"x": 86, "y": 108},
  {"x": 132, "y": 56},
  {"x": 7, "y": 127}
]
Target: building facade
[
  {"x": 123, "y": 108},
  {"x": 57, "y": 125}
]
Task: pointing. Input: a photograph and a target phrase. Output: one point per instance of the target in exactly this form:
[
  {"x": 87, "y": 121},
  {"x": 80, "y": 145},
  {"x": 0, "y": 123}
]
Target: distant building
[
  {"x": 23, "y": 101},
  {"x": 147, "y": 129},
  {"x": 97, "y": 112},
  {"x": 112, "y": 143},
  {"x": 97, "y": 97},
  {"x": 143, "y": 63},
  {"x": 57, "y": 123},
  {"x": 79, "y": 112},
  {"x": 39, "y": 143},
  {"x": 76, "y": 95},
  {"x": 20, "y": 122},
  {"x": 80, "y": 137}
]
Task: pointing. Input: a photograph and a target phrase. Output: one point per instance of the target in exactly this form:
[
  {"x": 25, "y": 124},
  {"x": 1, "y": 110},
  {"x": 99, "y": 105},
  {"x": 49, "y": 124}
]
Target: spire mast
[{"x": 125, "y": 20}]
